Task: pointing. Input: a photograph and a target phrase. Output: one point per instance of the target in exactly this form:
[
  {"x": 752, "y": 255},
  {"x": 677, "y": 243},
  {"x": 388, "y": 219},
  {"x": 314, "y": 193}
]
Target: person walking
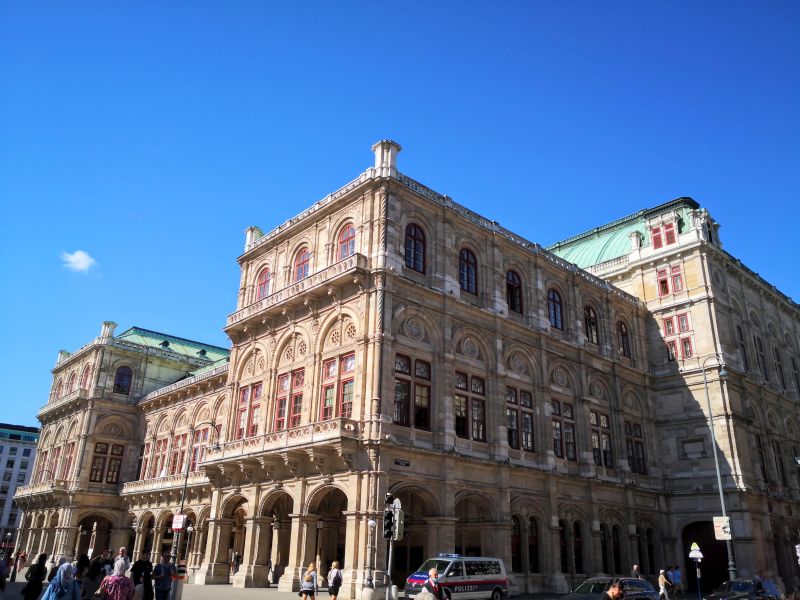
[
  {"x": 35, "y": 576},
  {"x": 432, "y": 585},
  {"x": 91, "y": 583},
  {"x": 116, "y": 586},
  {"x": 677, "y": 581},
  {"x": 308, "y": 587},
  {"x": 144, "y": 590},
  {"x": 64, "y": 585},
  {"x": 140, "y": 567},
  {"x": 334, "y": 580},
  {"x": 636, "y": 573},
  {"x": 663, "y": 584},
  {"x": 162, "y": 576}
]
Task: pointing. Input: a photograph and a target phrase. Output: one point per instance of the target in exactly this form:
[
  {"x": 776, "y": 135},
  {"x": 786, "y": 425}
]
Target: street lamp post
[
  {"x": 723, "y": 374},
  {"x": 371, "y": 553},
  {"x": 177, "y": 540},
  {"x": 189, "y": 531}
]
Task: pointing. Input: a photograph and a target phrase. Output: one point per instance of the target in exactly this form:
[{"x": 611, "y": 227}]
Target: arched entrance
[
  {"x": 331, "y": 529},
  {"x": 94, "y": 535},
  {"x": 411, "y": 551},
  {"x": 714, "y": 567},
  {"x": 277, "y": 509},
  {"x": 473, "y": 520}
]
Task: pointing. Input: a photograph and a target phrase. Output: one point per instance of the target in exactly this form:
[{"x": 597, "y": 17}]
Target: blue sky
[{"x": 150, "y": 135}]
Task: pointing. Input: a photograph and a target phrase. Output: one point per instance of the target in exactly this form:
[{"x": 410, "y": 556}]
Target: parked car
[
  {"x": 593, "y": 588},
  {"x": 462, "y": 577},
  {"x": 747, "y": 589}
]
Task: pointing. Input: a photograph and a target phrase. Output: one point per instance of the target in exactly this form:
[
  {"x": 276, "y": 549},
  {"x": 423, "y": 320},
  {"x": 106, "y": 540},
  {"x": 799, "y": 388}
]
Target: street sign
[
  {"x": 722, "y": 528},
  {"x": 695, "y": 553},
  {"x": 178, "y": 522}
]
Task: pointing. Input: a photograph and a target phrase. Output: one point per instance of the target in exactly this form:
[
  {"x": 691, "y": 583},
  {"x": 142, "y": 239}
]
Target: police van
[{"x": 462, "y": 577}]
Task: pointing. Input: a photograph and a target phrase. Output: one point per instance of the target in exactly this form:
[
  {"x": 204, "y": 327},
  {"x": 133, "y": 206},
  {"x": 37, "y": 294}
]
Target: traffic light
[
  {"x": 398, "y": 526},
  {"x": 388, "y": 524}
]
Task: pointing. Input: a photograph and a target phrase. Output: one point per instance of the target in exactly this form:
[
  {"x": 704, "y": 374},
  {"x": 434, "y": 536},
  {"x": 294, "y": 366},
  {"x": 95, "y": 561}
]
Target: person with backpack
[
  {"x": 334, "y": 580},
  {"x": 35, "y": 576},
  {"x": 308, "y": 587}
]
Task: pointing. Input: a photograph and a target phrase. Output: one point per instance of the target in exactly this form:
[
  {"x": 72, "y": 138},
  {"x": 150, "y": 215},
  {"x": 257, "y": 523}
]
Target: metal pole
[
  {"x": 728, "y": 543},
  {"x": 697, "y": 566},
  {"x": 177, "y": 541},
  {"x": 389, "y": 571}
]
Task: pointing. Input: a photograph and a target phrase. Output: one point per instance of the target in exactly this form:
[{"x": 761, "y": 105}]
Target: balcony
[
  {"x": 62, "y": 403},
  {"x": 45, "y": 487},
  {"x": 296, "y": 293},
  {"x": 164, "y": 483}
]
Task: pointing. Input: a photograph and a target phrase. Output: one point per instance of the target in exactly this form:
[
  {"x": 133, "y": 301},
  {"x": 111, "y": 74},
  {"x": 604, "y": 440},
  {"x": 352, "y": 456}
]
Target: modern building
[
  {"x": 17, "y": 455},
  {"x": 547, "y": 406}
]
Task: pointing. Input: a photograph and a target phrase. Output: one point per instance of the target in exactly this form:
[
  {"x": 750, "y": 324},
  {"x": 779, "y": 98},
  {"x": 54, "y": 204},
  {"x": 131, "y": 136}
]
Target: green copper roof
[
  {"x": 154, "y": 339},
  {"x": 611, "y": 240},
  {"x": 211, "y": 367}
]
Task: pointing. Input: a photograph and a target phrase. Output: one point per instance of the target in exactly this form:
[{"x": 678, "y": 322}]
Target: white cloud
[{"x": 78, "y": 260}]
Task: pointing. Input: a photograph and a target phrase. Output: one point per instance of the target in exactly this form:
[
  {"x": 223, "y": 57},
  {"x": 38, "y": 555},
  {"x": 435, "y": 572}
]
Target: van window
[
  {"x": 482, "y": 567},
  {"x": 455, "y": 570},
  {"x": 439, "y": 563}
]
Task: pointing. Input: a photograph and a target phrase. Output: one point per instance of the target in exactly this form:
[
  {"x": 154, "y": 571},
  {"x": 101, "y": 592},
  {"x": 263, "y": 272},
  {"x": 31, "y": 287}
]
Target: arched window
[
  {"x": 415, "y": 248},
  {"x": 468, "y": 271},
  {"x": 577, "y": 545},
  {"x": 562, "y": 542},
  {"x": 262, "y": 285},
  {"x": 347, "y": 241},
  {"x": 616, "y": 543},
  {"x": 301, "y": 263},
  {"x": 533, "y": 546},
  {"x": 73, "y": 379},
  {"x": 59, "y": 388},
  {"x": 555, "y": 309},
  {"x": 624, "y": 340},
  {"x": 122, "y": 381},
  {"x": 604, "y": 548},
  {"x": 85, "y": 377},
  {"x": 516, "y": 550},
  {"x": 514, "y": 291},
  {"x": 590, "y": 325}
]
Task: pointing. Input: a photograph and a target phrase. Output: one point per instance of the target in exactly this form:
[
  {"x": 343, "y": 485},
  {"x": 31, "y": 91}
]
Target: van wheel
[
  {"x": 496, "y": 594},
  {"x": 447, "y": 594}
]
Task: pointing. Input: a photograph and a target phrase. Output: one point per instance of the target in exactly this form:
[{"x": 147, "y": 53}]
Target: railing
[
  {"x": 350, "y": 264},
  {"x": 45, "y": 487},
  {"x": 305, "y": 435},
  {"x": 55, "y": 404},
  {"x": 160, "y": 483},
  {"x": 186, "y": 382},
  {"x": 609, "y": 264}
]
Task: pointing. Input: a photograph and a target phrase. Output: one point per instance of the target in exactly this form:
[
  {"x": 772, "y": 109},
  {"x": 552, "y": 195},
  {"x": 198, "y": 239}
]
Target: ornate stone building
[{"x": 388, "y": 339}]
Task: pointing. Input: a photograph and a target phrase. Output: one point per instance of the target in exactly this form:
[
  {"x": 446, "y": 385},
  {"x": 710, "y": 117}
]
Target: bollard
[{"x": 176, "y": 591}]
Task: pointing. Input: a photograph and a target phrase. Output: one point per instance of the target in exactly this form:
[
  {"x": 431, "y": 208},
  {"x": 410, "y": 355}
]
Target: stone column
[
  {"x": 138, "y": 545},
  {"x": 67, "y": 542},
  {"x": 199, "y": 546},
  {"x": 298, "y": 552},
  {"x": 252, "y": 572},
  {"x": 556, "y": 580},
  {"x": 279, "y": 532},
  {"x": 158, "y": 538},
  {"x": 215, "y": 564},
  {"x": 594, "y": 564}
]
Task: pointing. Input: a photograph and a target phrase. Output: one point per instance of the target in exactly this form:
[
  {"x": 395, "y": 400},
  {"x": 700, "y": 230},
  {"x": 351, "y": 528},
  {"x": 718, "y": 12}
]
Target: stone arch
[
  {"x": 520, "y": 362},
  {"x": 597, "y": 386},
  {"x": 473, "y": 512},
  {"x": 772, "y": 419},
  {"x": 471, "y": 343},
  {"x": 58, "y": 439},
  {"x": 789, "y": 342},
  {"x": 113, "y": 426},
  {"x": 772, "y": 331},
  {"x": 262, "y": 263},
  {"x": 422, "y": 221},
  {"x": 72, "y": 430},
  {"x": 346, "y": 217},
  {"x": 230, "y": 504},
  {"x": 632, "y": 401},
  {"x": 180, "y": 420},
  {"x": 201, "y": 413},
  {"x": 94, "y": 531},
  {"x": 253, "y": 363},
  {"x": 479, "y": 507},
  {"x": 293, "y": 348},
  {"x": 754, "y": 416},
  {"x": 417, "y": 325},
  {"x": 339, "y": 331},
  {"x": 467, "y": 241},
  {"x": 303, "y": 241},
  {"x": 164, "y": 517},
  {"x": 427, "y": 501},
  {"x": 754, "y": 320},
  {"x": 562, "y": 377}
]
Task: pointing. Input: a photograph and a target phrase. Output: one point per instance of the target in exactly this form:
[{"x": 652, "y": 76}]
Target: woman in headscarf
[
  {"x": 35, "y": 577},
  {"x": 63, "y": 586},
  {"x": 116, "y": 586}
]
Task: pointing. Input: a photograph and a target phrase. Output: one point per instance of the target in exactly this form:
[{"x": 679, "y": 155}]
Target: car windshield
[
  {"x": 592, "y": 586},
  {"x": 736, "y": 587},
  {"x": 439, "y": 563}
]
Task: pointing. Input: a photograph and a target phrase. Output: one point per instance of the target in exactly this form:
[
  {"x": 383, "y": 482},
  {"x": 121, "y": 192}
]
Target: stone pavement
[{"x": 226, "y": 592}]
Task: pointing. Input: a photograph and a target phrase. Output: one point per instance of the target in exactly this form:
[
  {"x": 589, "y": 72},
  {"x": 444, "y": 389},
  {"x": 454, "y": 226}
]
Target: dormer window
[
  {"x": 164, "y": 344},
  {"x": 669, "y": 233},
  {"x": 662, "y": 236}
]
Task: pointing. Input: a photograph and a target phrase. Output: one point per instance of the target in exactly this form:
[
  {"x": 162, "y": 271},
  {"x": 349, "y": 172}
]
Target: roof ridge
[{"x": 170, "y": 336}]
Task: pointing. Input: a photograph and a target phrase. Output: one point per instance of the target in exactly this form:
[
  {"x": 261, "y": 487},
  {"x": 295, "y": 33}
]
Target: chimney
[
  {"x": 107, "y": 331},
  {"x": 386, "y": 158},
  {"x": 62, "y": 356},
  {"x": 251, "y": 234}
]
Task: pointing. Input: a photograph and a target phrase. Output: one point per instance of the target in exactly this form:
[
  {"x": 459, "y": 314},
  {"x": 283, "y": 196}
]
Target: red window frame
[
  {"x": 676, "y": 279},
  {"x": 199, "y": 442},
  {"x": 159, "y": 457},
  {"x": 66, "y": 466},
  {"x": 669, "y": 326},
  {"x": 71, "y": 383},
  {"x": 178, "y": 453},
  {"x": 262, "y": 286},
  {"x": 301, "y": 264},
  {"x": 663, "y": 282},
  {"x": 281, "y": 402},
  {"x": 336, "y": 399},
  {"x": 254, "y": 410},
  {"x": 241, "y": 412},
  {"x": 655, "y": 233},
  {"x": 686, "y": 348},
  {"x": 672, "y": 350},
  {"x": 683, "y": 322},
  {"x": 145, "y": 461},
  {"x": 85, "y": 377},
  {"x": 347, "y": 241},
  {"x": 669, "y": 233},
  {"x": 296, "y": 405}
]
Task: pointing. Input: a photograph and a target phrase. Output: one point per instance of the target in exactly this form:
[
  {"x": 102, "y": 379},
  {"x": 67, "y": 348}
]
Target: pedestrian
[
  {"x": 63, "y": 586},
  {"x": 54, "y": 569},
  {"x": 677, "y": 581},
  {"x": 162, "y": 576},
  {"x": 614, "y": 591},
  {"x": 334, "y": 580},
  {"x": 3, "y": 573},
  {"x": 432, "y": 585},
  {"x": 140, "y": 567},
  {"x": 636, "y": 573},
  {"x": 237, "y": 560},
  {"x": 91, "y": 583},
  {"x": 308, "y": 587},
  {"x": 144, "y": 590},
  {"x": 35, "y": 576},
  {"x": 123, "y": 556},
  {"x": 116, "y": 586},
  {"x": 663, "y": 584},
  {"x": 82, "y": 566}
]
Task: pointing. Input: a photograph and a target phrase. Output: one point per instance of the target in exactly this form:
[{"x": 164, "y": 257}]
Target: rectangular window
[
  {"x": 776, "y": 447},
  {"x": 66, "y": 466},
  {"x": 677, "y": 279},
  {"x": 98, "y": 467},
  {"x": 686, "y": 348},
  {"x": 178, "y": 454},
  {"x": 478, "y": 420},
  {"x": 418, "y": 415},
  {"x": 527, "y": 431},
  {"x": 512, "y": 427},
  {"x": 634, "y": 446},
  {"x": 9, "y": 464},
  {"x": 254, "y": 413},
  {"x": 241, "y": 412},
  {"x": 761, "y": 458},
  {"x": 669, "y": 233},
  {"x": 762, "y": 362},
  {"x": 683, "y": 322},
  {"x": 601, "y": 439},
  {"x": 26, "y": 452},
  {"x": 199, "y": 447},
  {"x": 462, "y": 416},
  {"x": 347, "y": 399},
  {"x": 328, "y": 401},
  {"x": 422, "y": 406},
  {"x": 296, "y": 414},
  {"x": 519, "y": 421},
  {"x": 112, "y": 475},
  {"x": 525, "y": 399},
  {"x": 663, "y": 282},
  {"x": 402, "y": 398},
  {"x": 672, "y": 350},
  {"x": 655, "y": 233},
  {"x": 563, "y": 431},
  {"x": 280, "y": 414},
  {"x": 743, "y": 351},
  {"x": 337, "y": 387},
  {"x": 776, "y": 357},
  {"x": 20, "y": 477},
  {"x": 669, "y": 326}
]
